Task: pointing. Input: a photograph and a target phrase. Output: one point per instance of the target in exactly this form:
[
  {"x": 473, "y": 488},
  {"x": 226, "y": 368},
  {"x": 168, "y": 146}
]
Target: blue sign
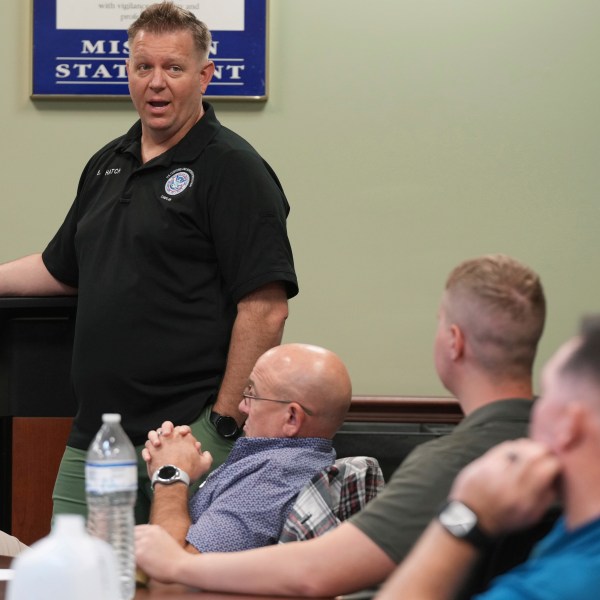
[{"x": 73, "y": 58}]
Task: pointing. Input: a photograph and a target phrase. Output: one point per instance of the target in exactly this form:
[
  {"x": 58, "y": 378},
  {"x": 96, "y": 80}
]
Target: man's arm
[
  {"x": 174, "y": 446},
  {"x": 258, "y": 326},
  {"x": 509, "y": 488},
  {"x": 341, "y": 561},
  {"x": 170, "y": 511},
  {"x": 28, "y": 276}
]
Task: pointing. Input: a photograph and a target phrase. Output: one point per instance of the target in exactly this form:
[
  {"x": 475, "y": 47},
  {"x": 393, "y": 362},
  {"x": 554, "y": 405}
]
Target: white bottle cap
[{"x": 111, "y": 418}]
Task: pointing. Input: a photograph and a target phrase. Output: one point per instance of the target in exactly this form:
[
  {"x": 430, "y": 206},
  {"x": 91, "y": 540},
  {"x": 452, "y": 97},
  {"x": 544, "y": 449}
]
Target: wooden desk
[{"x": 160, "y": 592}]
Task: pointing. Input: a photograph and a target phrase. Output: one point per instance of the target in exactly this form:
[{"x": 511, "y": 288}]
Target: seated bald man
[{"x": 296, "y": 399}]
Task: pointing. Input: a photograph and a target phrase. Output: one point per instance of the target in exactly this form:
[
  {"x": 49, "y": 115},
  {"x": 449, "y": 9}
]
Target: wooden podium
[{"x": 36, "y": 408}]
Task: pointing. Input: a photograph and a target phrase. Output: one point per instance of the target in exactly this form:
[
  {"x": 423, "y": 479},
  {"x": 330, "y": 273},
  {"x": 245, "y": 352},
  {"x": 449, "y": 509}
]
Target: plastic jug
[{"x": 68, "y": 564}]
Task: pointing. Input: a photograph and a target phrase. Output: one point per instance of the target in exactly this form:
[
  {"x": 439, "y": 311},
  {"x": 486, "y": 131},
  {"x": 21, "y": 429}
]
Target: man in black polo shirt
[{"x": 176, "y": 246}]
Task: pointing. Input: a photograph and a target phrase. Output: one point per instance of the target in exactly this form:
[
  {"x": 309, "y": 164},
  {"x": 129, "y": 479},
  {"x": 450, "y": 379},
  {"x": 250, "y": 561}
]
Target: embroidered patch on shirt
[{"x": 178, "y": 181}]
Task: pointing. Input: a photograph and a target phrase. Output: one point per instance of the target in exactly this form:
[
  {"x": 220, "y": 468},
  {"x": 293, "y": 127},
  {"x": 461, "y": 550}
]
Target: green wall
[{"x": 408, "y": 134}]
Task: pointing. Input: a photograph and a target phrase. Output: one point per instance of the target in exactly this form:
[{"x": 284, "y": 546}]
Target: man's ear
[
  {"x": 294, "y": 420},
  {"x": 457, "y": 342},
  {"x": 570, "y": 427},
  {"x": 206, "y": 75}
]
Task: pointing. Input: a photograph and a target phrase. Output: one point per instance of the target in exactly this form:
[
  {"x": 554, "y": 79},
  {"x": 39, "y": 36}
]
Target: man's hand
[
  {"x": 170, "y": 445},
  {"x": 156, "y": 552},
  {"x": 510, "y": 487}
]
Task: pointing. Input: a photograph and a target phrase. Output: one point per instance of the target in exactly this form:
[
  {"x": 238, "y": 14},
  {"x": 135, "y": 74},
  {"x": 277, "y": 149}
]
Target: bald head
[{"x": 311, "y": 376}]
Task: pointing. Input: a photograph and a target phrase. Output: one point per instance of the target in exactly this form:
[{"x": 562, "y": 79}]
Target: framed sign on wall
[{"x": 80, "y": 46}]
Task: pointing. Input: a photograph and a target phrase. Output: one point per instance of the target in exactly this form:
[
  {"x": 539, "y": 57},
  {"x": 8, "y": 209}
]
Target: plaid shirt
[{"x": 334, "y": 494}]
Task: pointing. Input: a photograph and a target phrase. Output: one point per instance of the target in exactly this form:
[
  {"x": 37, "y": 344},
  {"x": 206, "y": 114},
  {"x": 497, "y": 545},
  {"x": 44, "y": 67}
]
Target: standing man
[
  {"x": 512, "y": 485},
  {"x": 490, "y": 321},
  {"x": 176, "y": 246}
]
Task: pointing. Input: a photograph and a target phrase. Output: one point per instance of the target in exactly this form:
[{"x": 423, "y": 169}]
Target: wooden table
[{"x": 160, "y": 592}]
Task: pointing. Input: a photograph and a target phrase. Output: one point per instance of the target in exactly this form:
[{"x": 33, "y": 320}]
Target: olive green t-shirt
[{"x": 395, "y": 519}]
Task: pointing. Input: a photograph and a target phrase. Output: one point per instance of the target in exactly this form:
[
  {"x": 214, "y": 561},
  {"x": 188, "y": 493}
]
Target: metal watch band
[
  {"x": 169, "y": 474},
  {"x": 461, "y": 522}
]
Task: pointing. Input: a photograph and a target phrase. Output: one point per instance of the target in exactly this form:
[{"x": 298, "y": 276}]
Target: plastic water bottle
[
  {"x": 68, "y": 564},
  {"x": 111, "y": 488}
]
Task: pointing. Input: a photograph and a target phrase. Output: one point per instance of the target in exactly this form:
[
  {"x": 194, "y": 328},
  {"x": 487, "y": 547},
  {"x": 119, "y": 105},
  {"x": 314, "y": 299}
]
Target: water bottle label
[{"x": 103, "y": 478}]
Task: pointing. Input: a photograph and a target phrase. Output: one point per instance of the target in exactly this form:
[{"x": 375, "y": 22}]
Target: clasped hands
[{"x": 175, "y": 445}]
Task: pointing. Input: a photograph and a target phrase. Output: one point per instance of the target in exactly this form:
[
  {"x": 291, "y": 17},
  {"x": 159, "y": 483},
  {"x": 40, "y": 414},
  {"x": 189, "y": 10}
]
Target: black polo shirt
[{"x": 161, "y": 253}]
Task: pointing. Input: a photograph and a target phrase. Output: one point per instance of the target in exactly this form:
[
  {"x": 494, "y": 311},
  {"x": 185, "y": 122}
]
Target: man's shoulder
[
  {"x": 504, "y": 412},
  {"x": 111, "y": 147},
  {"x": 278, "y": 450},
  {"x": 280, "y": 459},
  {"x": 490, "y": 425},
  {"x": 228, "y": 145}
]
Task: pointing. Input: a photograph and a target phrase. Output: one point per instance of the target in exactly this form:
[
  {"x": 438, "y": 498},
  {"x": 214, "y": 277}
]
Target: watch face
[
  {"x": 458, "y": 518},
  {"x": 227, "y": 426},
  {"x": 167, "y": 472}
]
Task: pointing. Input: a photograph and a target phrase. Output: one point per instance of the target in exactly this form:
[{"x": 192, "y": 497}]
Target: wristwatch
[
  {"x": 169, "y": 474},
  {"x": 226, "y": 427},
  {"x": 461, "y": 522}
]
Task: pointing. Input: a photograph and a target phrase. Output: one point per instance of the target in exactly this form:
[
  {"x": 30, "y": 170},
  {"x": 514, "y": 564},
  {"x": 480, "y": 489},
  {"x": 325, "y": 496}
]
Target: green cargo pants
[{"x": 69, "y": 489}]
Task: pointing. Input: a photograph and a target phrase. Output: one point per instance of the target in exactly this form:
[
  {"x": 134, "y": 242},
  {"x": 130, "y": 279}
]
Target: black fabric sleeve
[
  {"x": 59, "y": 256},
  {"x": 248, "y": 211}
]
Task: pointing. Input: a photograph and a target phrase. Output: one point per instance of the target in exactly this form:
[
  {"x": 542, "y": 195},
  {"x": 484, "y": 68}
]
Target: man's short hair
[
  {"x": 585, "y": 359},
  {"x": 166, "y": 17},
  {"x": 499, "y": 303}
]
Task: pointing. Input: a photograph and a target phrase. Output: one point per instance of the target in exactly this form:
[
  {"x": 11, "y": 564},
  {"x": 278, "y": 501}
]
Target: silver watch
[
  {"x": 461, "y": 522},
  {"x": 169, "y": 474}
]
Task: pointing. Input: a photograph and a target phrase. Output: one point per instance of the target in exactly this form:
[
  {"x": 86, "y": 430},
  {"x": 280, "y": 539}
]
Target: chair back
[{"x": 334, "y": 494}]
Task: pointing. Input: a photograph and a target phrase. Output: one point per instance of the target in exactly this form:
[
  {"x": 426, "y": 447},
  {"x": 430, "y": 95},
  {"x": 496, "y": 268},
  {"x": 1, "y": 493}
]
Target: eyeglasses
[{"x": 247, "y": 397}]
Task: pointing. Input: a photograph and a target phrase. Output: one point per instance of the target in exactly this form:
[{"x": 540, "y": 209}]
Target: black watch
[
  {"x": 226, "y": 427},
  {"x": 461, "y": 522}
]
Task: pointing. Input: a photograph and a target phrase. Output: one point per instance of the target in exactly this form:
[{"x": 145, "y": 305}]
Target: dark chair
[{"x": 389, "y": 443}]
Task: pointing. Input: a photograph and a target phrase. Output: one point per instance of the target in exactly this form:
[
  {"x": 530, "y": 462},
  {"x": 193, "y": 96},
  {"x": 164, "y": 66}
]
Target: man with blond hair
[
  {"x": 511, "y": 487},
  {"x": 490, "y": 320}
]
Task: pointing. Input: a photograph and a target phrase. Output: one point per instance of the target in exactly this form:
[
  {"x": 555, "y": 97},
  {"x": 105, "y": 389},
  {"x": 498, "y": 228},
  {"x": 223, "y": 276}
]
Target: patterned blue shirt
[{"x": 244, "y": 503}]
